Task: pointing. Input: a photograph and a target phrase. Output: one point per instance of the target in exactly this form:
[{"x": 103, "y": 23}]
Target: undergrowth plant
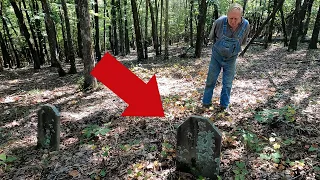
[{"x": 285, "y": 114}]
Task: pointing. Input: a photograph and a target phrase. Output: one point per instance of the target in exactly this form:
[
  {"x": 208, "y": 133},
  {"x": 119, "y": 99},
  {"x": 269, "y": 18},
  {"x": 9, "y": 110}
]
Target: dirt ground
[{"x": 273, "y": 131}]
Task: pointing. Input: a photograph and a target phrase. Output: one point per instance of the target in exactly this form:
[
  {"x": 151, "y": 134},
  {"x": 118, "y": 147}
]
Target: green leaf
[
  {"x": 311, "y": 149},
  {"x": 276, "y": 155},
  {"x": 11, "y": 158},
  {"x": 236, "y": 171},
  {"x": 3, "y": 157},
  {"x": 276, "y": 160},
  {"x": 103, "y": 173},
  {"x": 265, "y": 156},
  {"x": 129, "y": 171},
  {"x": 240, "y": 165},
  {"x": 316, "y": 168}
]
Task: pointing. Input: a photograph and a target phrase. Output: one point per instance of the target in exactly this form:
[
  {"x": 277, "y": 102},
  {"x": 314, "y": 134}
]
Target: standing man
[{"x": 228, "y": 34}]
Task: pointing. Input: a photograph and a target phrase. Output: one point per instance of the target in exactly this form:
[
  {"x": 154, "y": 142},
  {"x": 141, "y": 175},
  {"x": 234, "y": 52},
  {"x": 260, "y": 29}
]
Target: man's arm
[{"x": 212, "y": 34}]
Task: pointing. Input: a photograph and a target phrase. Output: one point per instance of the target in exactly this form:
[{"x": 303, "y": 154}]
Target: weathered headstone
[
  {"x": 198, "y": 147},
  {"x": 48, "y": 127}
]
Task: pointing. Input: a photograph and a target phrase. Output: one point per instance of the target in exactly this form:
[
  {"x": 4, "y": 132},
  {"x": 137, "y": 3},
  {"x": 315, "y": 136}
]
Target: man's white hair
[{"x": 235, "y": 6}]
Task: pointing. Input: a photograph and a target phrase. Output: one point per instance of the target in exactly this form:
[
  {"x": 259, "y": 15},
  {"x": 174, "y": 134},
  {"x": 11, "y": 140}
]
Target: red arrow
[{"x": 143, "y": 99}]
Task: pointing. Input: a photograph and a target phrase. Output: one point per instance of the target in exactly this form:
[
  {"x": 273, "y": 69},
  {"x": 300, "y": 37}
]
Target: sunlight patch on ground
[{"x": 168, "y": 86}]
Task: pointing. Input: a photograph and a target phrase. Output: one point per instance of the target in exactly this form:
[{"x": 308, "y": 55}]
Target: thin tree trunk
[
  {"x": 70, "y": 55},
  {"x": 5, "y": 52},
  {"x": 114, "y": 27},
  {"x": 200, "y": 28},
  {"x": 97, "y": 35},
  {"x": 110, "y": 35},
  {"x": 244, "y": 6},
  {"x": 1, "y": 66},
  {"x": 88, "y": 57},
  {"x": 294, "y": 35},
  {"x": 315, "y": 32},
  {"x": 145, "y": 45},
  {"x": 9, "y": 37},
  {"x": 32, "y": 28},
  {"x": 166, "y": 31},
  {"x": 52, "y": 38},
  {"x": 39, "y": 34},
  {"x": 120, "y": 22},
  {"x": 154, "y": 30},
  {"x": 262, "y": 26},
  {"x": 79, "y": 39},
  {"x": 137, "y": 30},
  {"x": 302, "y": 15},
  {"x": 126, "y": 33},
  {"x": 191, "y": 26},
  {"x": 284, "y": 28},
  {"x": 25, "y": 32},
  {"x": 104, "y": 25},
  {"x": 160, "y": 39},
  {"x": 306, "y": 24},
  {"x": 65, "y": 41},
  {"x": 271, "y": 26}
]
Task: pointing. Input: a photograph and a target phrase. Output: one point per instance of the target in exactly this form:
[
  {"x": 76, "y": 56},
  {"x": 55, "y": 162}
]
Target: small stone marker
[
  {"x": 198, "y": 147},
  {"x": 48, "y": 127}
]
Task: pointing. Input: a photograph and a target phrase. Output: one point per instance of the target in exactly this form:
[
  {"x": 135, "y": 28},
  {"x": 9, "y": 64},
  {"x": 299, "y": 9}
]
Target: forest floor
[{"x": 273, "y": 131}]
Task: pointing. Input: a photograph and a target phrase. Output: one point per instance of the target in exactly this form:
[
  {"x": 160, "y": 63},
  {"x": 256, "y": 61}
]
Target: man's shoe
[
  {"x": 206, "y": 105},
  {"x": 225, "y": 110}
]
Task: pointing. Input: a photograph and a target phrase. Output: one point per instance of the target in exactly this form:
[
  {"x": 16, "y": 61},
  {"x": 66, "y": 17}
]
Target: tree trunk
[
  {"x": 262, "y": 26},
  {"x": 137, "y": 30},
  {"x": 145, "y": 45},
  {"x": 244, "y": 6},
  {"x": 39, "y": 34},
  {"x": 80, "y": 45},
  {"x": 315, "y": 32},
  {"x": 52, "y": 38},
  {"x": 1, "y": 66},
  {"x": 32, "y": 28},
  {"x": 271, "y": 26},
  {"x": 65, "y": 41},
  {"x": 284, "y": 28},
  {"x": 5, "y": 53},
  {"x": 294, "y": 35},
  {"x": 26, "y": 34},
  {"x": 161, "y": 14},
  {"x": 110, "y": 35},
  {"x": 10, "y": 38},
  {"x": 191, "y": 26},
  {"x": 97, "y": 35},
  {"x": 104, "y": 25},
  {"x": 120, "y": 22},
  {"x": 70, "y": 55},
  {"x": 126, "y": 27},
  {"x": 154, "y": 29},
  {"x": 306, "y": 24},
  {"x": 302, "y": 15},
  {"x": 114, "y": 27},
  {"x": 166, "y": 31},
  {"x": 200, "y": 28},
  {"x": 88, "y": 58}
]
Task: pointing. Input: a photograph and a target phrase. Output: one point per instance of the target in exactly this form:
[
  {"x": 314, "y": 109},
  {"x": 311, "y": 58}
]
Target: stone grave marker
[
  {"x": 198, "y": 147},
  {"x": 48, "y": 127}
]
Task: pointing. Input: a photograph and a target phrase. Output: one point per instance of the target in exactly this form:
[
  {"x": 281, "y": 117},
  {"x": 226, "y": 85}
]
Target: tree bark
[
  {"x": 284, "y": 28},
  {"x": 120, "y": 24},
  {"x": 126, "y": 27},
  {"x": 137, "y": 30},
  {"x": 145, "y": 44},
  {"x": 88, "y": 58},
  {"x": 166, "y": 31},
  {"x": 262, "y": 26},
  {"x": 97, "y": 35},
  {"x": 200, "y": 28},
  {"x": 26, "y": 34},
  {"x": 80, "y": 46},
  {"x": 315, "y": 32},
  {"x": 39, "y": 34},
  {"x": 5, "y": 52},
  {"x": 191, "y": 26},
  {"x": 52, "y": 38},
  {"x": 307, "y": 21},
  {"x": 70, "y": 55},
  {"x": 65, "y": 41},
  {"x": 294, "y": 34},
  {"x": 10, "y": 39},
  {"x": 161, "y": 14},
  {"x": 154, "y": 29},
  {"x": 114, "y": 27}
]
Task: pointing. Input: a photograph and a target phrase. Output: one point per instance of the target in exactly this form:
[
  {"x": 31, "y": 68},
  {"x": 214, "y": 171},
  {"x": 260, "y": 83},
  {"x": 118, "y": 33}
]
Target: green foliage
[
  {"x": 106, "y": 150},
  {"x": 94, "y": 130},
  {"x": 6, "y": 160},
  {"x": 269, "y": 115},
  {"x": 240, "y": 170},
  {"x": 252, "y": 141}
]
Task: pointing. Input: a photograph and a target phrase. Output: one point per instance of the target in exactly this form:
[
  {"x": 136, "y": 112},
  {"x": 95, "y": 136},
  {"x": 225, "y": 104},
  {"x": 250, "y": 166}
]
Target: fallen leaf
[
  {"x": 276, "y": 146},
  {"x": 74, "y": 173}
]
